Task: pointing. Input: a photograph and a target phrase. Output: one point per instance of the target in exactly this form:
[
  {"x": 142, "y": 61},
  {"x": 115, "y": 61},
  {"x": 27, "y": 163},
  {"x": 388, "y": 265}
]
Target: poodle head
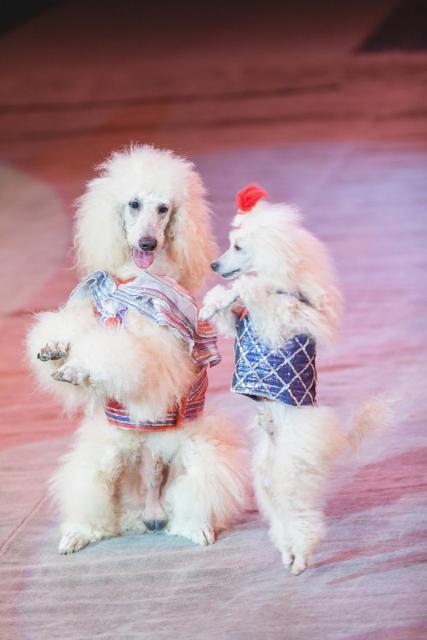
[
  {"x": 269, "y": 241},
  {"x": 146, "y": 209},
  {"x": 262, "y": 241}
]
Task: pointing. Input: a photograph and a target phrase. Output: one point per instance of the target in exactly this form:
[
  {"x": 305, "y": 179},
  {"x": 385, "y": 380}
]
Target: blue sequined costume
[{"x": 286, "y": 373}]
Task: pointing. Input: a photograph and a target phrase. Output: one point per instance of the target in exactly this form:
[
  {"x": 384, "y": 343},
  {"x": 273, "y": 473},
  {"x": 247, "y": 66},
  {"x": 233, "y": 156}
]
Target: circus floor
[{"x": 289, "y": 96}]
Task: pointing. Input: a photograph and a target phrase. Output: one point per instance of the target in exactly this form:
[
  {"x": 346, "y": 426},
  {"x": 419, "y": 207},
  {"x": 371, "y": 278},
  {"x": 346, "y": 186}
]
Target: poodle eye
[
  {"x": 163, "y": 209},
  {"x": 237, "y": 248},
  {"x": 134, "y": 204}
]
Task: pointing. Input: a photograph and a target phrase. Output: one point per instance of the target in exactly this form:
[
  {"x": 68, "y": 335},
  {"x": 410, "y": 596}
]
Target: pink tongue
[{"x": 143, "y": 259}]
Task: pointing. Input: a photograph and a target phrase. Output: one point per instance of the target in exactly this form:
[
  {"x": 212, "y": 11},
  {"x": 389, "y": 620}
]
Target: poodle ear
[
  {"x": 192, "y": 247},
  {"x": 99, "y": 238}
]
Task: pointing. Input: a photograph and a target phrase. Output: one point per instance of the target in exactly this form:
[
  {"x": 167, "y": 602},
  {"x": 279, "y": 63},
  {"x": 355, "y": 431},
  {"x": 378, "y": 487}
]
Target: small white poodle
[
  {"x": 128, "y": 345},
  {"x": 282, "y": 302}
]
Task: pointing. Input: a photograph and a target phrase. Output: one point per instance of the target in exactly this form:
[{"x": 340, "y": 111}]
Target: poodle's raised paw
[
  {"x": 53, "y": 351},
  {"x": 208, "y": 311},
  {"x": 217, "y": 299},
  {"x": 71, "y": 374}
]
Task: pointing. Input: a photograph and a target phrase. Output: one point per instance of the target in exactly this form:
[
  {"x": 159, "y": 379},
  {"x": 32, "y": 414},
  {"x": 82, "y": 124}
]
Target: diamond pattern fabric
[{"x": 286, "y": 373}]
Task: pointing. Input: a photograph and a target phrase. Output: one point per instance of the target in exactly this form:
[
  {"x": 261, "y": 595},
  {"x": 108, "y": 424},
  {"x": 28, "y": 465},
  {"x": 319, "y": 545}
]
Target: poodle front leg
[
  {"x": 218, "y": 299},
  {"x": 221, "y": 305},
  {"x": 107, "y": 360},
  {"x": 49, "y": 343}
]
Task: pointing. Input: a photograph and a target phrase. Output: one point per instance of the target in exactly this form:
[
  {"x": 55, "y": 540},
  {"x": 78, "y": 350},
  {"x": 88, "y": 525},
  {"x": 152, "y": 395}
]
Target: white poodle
[
  {"x": 144, "y": 216},
  {"x": 282, "y": 302}
]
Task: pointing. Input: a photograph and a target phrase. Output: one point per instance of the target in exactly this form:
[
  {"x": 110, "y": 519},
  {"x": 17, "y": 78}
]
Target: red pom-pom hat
[{"x": 248, "y": 197}]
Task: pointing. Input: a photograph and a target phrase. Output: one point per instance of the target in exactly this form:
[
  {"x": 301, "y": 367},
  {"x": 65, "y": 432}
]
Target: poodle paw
[
  {"x": 204, "y": 536},
  {"x": 216, "y": 300},
  {"x": 132, "y": 522},
  {"x": 207, "y": 312},
  {"x": 287, "y": 559},
  {"x": 73, "y": 541},
  {"x": 75, "y": 537},
  {"x": 298, "y": 565},
  {"x": 53, "y": 351},
  {"x": 70, "y": 374}
]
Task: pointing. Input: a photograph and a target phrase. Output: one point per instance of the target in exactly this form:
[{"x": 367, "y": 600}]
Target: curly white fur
[
  {"x": 101, "y": 485},
  {"x": 285, "y": 279},
  {"x": 155, "y": 176}
]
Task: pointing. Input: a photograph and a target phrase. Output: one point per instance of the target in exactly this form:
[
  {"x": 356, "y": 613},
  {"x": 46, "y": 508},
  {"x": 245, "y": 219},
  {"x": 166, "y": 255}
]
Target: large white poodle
[
  {"x": 144, "y": 215},
  {"x": 282, "y": 302}
]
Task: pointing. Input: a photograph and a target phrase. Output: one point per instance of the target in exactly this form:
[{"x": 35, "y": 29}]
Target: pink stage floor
[{"x": 287, "y": 103}]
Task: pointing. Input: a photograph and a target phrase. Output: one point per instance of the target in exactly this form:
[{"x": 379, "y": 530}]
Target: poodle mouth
[
  {"x": 142, "y": 259},
  {"x": 230, "y": 274}
]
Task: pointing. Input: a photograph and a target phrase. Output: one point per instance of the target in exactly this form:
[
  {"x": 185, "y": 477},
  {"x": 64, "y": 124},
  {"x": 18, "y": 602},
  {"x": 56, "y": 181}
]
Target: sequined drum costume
[
  {"x": 162, "y": 301},
  {"x": 286, "y": 373}
]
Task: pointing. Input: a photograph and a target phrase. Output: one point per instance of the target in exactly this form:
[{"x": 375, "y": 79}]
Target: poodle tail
[{"x": 374, "y": 416}]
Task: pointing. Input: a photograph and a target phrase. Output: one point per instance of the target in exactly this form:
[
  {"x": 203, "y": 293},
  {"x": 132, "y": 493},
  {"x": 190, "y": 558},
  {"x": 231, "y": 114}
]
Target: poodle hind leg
[
  {"x": 281, "y": 540},
  {"x": 306, "y": 530},
  {"x": 290, "y": 466},
  {"x": 208, "y": 481},
  {"x": 298, "y": 523},
  {"x": 277, "y": 530},
  {"x": 86, "y": 490},
  {"x": 263, "y": 464}
]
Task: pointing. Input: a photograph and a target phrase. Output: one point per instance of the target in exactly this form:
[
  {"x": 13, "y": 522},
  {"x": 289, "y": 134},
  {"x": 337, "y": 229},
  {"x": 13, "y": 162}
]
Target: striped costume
[{"x": 162, "y": 301}]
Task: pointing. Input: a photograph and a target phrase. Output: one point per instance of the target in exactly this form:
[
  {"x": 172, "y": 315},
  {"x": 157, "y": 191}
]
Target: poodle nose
[
  {"x": 147, "y": 244},
  {"x": 155, "y": 525},
  {"x": 215, "y": 265}
]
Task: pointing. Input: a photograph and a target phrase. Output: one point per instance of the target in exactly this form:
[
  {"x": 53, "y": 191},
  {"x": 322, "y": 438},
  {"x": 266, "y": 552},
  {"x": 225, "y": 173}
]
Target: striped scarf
[{"x": 162, "y": 301}]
